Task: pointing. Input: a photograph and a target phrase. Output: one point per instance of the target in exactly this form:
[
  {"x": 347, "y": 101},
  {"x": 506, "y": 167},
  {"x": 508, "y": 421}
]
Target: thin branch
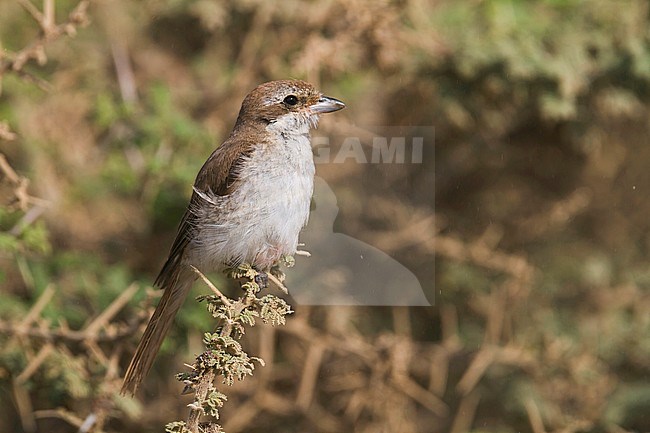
[
  {"x": 212, "y": 287},
  {"x": 124, "y": 70},
  {"x": 309, "y": 377},
  {"x": 6, "y": 168},
  {"x": 534, "y": 416},
  {"x": 5, "y": 132},
  {"x": 68, "y": 335},
  {"x": 25, "y": 408},
  {"x": 423, "y": 396},
  {"x": 37, "y": 308},
  {"x": 48, "y": 15},
  {"x": 33, "y": 11},
  {"x": 20, "y": 184},
  {"x": 110, "y": 312},
  {"x": 277, "y": 283},
  {"x": 34, "y": 364},
  {"x": 466, "y": 412},
  {"x": 28, "y": 219},
  {"x": 63, "y": 414}
]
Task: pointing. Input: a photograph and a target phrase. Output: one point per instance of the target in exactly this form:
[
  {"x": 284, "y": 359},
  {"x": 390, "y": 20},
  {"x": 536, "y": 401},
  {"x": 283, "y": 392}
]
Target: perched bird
[{"x": 251, "y": 198}]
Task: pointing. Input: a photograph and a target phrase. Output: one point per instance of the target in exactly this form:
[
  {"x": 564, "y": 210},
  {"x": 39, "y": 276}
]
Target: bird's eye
[{"x": 291, "y": 100}]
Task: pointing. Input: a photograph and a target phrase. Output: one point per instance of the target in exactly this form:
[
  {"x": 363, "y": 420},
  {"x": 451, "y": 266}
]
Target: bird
[{"x": 249, "y": 202}]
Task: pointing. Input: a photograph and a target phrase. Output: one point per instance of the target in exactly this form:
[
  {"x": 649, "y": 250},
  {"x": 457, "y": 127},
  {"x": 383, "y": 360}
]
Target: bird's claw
[{"x": 262, "y": 280}]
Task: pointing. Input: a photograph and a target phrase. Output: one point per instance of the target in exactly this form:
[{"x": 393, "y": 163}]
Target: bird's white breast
[{"x": 262, "y": 218}]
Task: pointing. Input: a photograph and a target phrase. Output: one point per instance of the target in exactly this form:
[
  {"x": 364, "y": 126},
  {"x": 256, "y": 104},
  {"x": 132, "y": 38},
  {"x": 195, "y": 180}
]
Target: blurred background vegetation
[{"x": 527, "y": 222}]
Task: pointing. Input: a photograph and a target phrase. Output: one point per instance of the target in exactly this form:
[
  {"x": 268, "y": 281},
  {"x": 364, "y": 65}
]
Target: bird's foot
[{"x": 262, "y": 279}]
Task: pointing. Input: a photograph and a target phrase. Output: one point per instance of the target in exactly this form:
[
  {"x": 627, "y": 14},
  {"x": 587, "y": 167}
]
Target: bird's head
[{"x": 289, "y": 106}]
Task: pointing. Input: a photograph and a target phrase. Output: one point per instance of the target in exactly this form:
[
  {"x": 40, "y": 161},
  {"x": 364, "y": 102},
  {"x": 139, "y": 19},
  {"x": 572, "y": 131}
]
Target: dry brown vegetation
[{"x": 526, "y": 223}]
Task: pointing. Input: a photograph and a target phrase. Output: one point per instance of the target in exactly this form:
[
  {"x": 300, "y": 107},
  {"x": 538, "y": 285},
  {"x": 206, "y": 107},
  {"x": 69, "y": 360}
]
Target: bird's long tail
[{"x": 157, "y": 328}]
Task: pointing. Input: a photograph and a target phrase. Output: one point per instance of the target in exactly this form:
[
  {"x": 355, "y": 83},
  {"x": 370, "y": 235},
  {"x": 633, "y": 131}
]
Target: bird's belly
[{"x": 262, "y": 218}]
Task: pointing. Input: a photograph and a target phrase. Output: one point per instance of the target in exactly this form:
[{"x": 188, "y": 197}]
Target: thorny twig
[
  {"x": 15, "y": 62},
  {"x": 224, "y": 355}
]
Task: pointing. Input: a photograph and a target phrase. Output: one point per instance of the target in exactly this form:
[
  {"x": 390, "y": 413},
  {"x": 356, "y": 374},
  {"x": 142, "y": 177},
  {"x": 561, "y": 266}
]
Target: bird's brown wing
[{"x": 217, "y": 176}]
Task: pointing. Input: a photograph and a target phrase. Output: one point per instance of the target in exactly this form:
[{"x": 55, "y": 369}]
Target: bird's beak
[{"x": 326, "y": 105}]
